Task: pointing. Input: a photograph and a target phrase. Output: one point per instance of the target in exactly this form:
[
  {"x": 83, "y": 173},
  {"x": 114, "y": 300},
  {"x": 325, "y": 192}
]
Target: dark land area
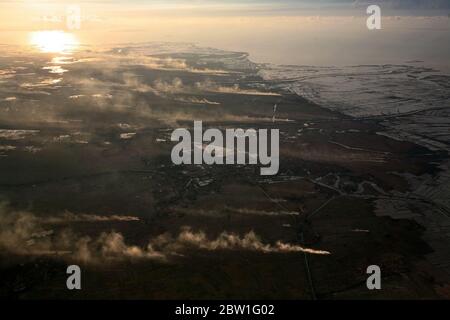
[{"x": 98, "y": 147}]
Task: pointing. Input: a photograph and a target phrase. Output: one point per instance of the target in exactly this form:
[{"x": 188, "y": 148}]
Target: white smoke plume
[
  {"x": 243, "y": 211},
  {"x": 197, "y": 101},
  {"x": 67, "y": 217},
  {"x": 249, "y": 241},
  {"x": 23, "y": 233}
]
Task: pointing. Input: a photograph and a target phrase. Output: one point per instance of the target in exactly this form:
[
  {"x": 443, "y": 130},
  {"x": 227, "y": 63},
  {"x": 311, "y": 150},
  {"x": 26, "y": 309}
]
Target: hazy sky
[{"x": 291, "y": 32}]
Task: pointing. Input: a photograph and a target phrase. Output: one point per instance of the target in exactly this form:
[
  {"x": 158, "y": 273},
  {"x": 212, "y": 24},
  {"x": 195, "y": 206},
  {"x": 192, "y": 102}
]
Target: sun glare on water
[{"x": 54, "y": 41}]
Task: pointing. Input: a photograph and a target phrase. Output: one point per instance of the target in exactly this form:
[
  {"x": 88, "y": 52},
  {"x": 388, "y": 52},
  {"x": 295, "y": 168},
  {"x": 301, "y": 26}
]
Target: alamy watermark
[
  {"x": 72, "y": 18},
  {"x": 374, "y": 20},
  {"x": 74, "y": 280},
  {"x": 374, "y": 280},
  {"x": 237, "y": 147}
]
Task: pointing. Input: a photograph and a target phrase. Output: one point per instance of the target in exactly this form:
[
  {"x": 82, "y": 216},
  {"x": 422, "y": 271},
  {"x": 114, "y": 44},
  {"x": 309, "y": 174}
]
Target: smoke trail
[{"x": 23, "y": 233}]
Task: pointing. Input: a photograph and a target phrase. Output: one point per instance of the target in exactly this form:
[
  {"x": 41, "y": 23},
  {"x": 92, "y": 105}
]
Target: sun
[{"x": 54, "y": 41}]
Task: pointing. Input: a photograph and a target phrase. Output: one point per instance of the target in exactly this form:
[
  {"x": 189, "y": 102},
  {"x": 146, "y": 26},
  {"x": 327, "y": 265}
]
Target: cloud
[
  {"x": 128, "y": 57},
  {"x": 127, "y": 136},
  {"x": 16, "y": 134},
  {"x": 210, "y": 86},
  {"x": 176, "y": 86},
  {"x": 117, "y": 82}
]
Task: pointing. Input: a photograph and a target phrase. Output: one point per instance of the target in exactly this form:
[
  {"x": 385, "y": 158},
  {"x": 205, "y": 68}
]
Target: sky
[{"x": 327, "y": 32}]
